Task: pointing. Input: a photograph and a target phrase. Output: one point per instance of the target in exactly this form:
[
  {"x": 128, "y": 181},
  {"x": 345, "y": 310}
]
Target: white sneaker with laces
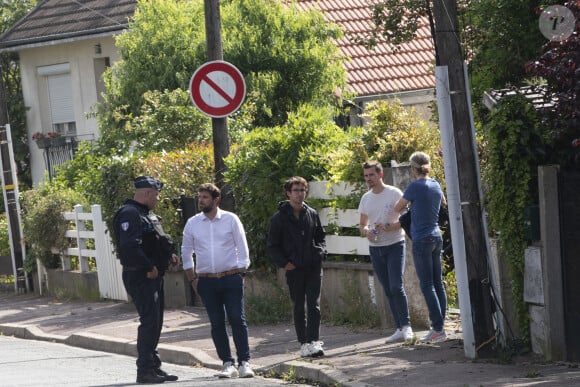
[
  {"x": 435, "y": 336},
  {"x": 316, "y": 349},
  {"x": 305, "y": 350},
  {"x": 407, "y": 333},
  {"x": 228, "y": 371},
  {"x": 245, "y": 370},
  {"x": 395, "y": 337}
]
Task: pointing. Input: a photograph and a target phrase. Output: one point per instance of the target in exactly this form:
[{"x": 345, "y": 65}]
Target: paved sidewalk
[{"x": 352, "y": 358}]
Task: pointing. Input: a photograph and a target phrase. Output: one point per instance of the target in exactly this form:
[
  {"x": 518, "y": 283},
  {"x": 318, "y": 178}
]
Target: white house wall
[{"x": 80, "y": 55}]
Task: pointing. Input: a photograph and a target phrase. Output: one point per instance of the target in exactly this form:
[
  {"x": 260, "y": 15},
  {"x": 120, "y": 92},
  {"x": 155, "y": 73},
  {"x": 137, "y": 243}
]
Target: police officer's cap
[{"x": 148, "y": 182}]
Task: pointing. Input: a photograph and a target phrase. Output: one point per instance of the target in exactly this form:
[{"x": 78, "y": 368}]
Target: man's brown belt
[{"x": 222, "y": 274}]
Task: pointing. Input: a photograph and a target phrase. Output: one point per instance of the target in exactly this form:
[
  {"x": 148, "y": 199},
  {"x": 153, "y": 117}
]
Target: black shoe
[
  {"x": 165, "y": 375},
  {"x": 149, "y": 377}
]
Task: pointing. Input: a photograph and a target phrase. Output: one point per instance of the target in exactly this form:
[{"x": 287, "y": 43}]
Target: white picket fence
[
  {"x": 109, "y": 269},
  {"x": 337, "y": 244}
]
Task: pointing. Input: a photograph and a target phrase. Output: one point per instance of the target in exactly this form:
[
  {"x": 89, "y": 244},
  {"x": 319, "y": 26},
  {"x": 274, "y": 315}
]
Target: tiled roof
[
  {"x": 370, "y": 72},
  {"x": 382, "y": 70},
  {"x": 53, "y": 20}
]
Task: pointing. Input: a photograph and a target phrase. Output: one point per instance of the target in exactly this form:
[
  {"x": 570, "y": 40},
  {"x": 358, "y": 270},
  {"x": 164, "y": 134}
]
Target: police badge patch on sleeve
[{"x": 125, "y": 226}]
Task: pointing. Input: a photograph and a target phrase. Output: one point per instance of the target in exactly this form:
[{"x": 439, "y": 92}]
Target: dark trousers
[
  {"x": 305, "y": 285},
  {"x": 225, "y": 296},
  {"x": 148, "y": 297}
]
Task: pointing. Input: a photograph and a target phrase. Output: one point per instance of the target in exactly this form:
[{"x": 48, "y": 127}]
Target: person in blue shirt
[{"x": 424, "y": 196}]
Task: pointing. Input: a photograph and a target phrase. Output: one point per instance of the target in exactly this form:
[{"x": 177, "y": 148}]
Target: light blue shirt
[{"x": 219, "y": 244}]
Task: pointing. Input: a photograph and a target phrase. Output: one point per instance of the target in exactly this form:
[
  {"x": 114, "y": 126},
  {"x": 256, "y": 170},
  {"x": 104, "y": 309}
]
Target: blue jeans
[
  {"x": 389, "y": 265},
  {"x": 223, "y": 296},
  {"x": 427, "y": 258},
  {"x": 305, "y": 285}
]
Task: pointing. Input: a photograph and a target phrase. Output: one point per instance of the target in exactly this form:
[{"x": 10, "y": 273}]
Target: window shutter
[{"x": 60, "y": 98}]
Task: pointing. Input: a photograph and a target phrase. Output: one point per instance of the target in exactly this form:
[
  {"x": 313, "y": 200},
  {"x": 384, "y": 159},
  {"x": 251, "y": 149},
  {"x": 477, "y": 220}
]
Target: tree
[
  {"x": 559, "y": 65},
  {"x": 287, "y": 57},
  {"x": 502, "y": 35},
  {"x": 10, "y": 12}
]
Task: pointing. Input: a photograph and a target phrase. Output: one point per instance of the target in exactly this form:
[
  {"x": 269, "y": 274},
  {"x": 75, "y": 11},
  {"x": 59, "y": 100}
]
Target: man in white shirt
[
  {"x": 218, "y": 240},
  {"x": 379, "y": 223}
]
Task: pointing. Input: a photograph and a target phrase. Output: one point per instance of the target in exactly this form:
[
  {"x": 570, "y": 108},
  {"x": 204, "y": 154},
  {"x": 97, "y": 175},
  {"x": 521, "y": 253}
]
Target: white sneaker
[
  {"x": 395, "y": 337},
  {"x": 435, "y": 336},
  {"x": 228, "y": 371},
  {"x": 407, "y": 333},
  {"x": 245, "y": 370},
  {"x": 316, "y": 349}
]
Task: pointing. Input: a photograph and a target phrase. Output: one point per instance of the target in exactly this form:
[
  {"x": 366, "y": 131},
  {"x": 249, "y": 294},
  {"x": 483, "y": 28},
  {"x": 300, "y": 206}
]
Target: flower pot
[{"x": 42, "y": 143}]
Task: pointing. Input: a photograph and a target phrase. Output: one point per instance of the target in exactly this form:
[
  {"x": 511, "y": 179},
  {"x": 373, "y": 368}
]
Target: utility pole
[
  {"x": 221, "y": 145},
  {"x": 10, "y": 189},
  {"x": 478, "y": 272}
]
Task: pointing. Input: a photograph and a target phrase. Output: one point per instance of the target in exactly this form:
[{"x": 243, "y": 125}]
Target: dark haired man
[
  {"x": 296, "y": 242},
  {"x": 379, "y": 223},
  {"x": 218, "y": 240}
]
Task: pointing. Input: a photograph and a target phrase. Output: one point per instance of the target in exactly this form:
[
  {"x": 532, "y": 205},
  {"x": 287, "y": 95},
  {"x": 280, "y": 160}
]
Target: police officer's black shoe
[
  {"x": 165, "y": 375},
  {"x": 149, "y": 377}
]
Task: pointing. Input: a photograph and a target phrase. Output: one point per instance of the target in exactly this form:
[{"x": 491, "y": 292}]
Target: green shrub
[
  {"x": 514, "y": 149},
  {"x": 108, "y": 181},
  {"x": 266, "y": 157},
  {"x": 4, "y": 237},
  {"x": 393, "y": 132},
  {"x": 44, "y": 226}
]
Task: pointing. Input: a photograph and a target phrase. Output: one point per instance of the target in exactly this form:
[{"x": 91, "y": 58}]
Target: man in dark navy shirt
[{"x": 145, "y": 252}]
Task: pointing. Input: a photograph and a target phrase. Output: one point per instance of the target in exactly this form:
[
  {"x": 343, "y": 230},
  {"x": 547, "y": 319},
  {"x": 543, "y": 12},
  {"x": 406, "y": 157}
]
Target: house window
[
  {"x": 60, "y": 98},
  {"x": 101, "y": 65}
]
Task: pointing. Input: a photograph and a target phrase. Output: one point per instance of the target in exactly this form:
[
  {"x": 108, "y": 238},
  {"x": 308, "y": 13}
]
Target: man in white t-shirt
[{"x": 379, "y": 223}]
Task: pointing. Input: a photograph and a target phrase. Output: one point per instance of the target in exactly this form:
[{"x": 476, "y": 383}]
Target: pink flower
[{"x": 39, "y": 135}]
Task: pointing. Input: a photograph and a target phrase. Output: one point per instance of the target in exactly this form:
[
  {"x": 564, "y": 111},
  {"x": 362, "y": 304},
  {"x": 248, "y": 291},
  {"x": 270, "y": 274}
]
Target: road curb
[
  {"x": 29, "y": 332},
  {"x": 178, "y": 355}
]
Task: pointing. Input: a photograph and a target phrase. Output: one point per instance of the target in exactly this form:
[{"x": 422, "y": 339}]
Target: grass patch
[
  {"x": 269, "y": 307},
  {"x": 357, "y": 311}
]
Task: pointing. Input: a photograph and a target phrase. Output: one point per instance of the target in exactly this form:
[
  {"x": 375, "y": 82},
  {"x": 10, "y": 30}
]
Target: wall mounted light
[{"x": 98, "y": 48}]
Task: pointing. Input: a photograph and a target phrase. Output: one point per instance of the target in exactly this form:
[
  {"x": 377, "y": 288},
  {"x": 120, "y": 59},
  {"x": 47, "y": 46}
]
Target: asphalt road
[{"x": 39, "y": 363}]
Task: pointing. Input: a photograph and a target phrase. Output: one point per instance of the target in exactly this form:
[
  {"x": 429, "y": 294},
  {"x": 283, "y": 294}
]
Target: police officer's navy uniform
[{"x": 141, "y": 247}]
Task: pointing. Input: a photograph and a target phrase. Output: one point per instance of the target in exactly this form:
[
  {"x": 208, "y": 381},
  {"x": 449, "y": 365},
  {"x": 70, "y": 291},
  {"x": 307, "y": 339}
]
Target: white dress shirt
[{"x": 219, "y": 244}]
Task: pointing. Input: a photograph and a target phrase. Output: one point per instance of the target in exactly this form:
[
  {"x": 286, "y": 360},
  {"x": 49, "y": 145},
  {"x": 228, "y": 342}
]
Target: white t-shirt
[{"x": 379, "y": 208}]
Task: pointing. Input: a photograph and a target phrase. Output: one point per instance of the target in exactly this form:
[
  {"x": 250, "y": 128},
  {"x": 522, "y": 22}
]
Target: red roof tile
[{"x": 382, "y": 70}]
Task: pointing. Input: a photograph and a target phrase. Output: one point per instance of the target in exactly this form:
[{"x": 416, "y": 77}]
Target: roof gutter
[
  {"x": 411, "y": 97},
  {"x": 51, "y": 40}
]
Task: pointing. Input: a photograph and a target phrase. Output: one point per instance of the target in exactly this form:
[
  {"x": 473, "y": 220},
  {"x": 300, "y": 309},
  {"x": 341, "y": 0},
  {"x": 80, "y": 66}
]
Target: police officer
[{"x": 145, "y": 252}]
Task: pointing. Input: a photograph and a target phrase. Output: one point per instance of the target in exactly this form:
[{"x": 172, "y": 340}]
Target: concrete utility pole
[
  {"x": 219, "y": 126},
  {"x": 449, "y": 54}
]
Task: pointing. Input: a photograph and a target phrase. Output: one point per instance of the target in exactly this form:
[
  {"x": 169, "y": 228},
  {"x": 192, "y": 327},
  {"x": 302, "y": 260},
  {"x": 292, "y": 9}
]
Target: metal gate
[{"x": 569, "y": 189}]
